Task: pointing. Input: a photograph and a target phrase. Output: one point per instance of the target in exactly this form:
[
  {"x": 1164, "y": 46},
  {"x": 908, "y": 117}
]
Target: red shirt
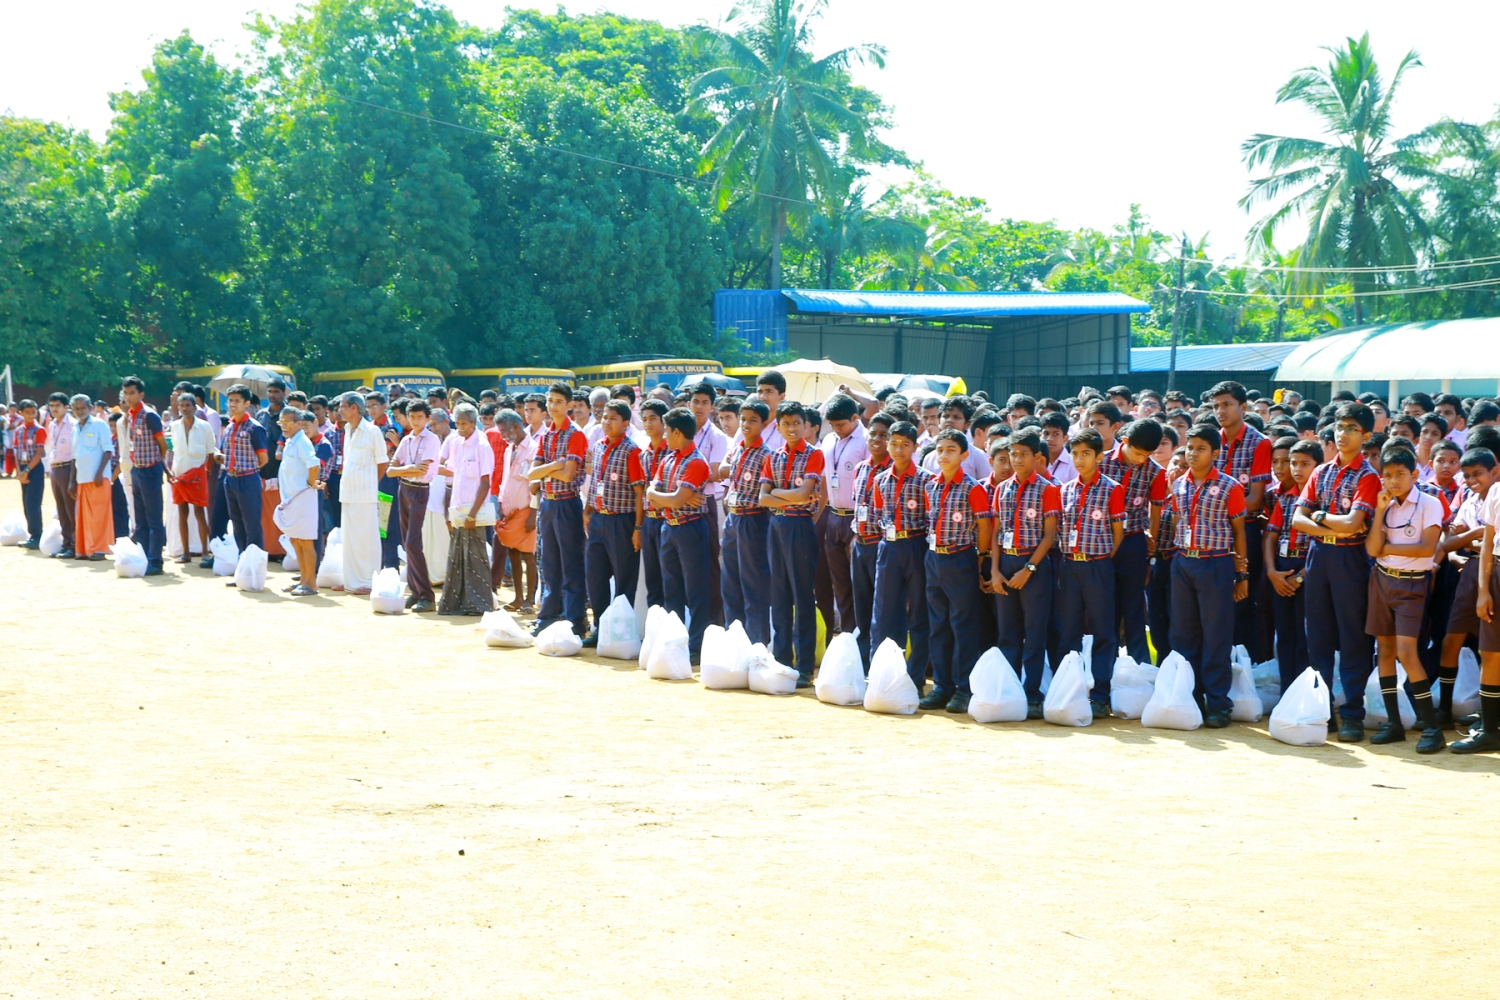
[{"x": 498, "y": 444}]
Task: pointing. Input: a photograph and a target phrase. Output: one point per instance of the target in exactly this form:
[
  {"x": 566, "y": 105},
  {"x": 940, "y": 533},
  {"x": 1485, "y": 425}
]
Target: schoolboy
[
  {"x": 244, "y": 453},
  {"x": 653, "y": 412},
  {"x": 1026, "y": 508},
  {"x": 1447, "y": 484},
  {"x": 1159, "y": 589},
  {"x": 1284, "y": 552},
  {"x": 147, "y": 446},
  {"x": 1054, "y": 433},
  {"x": 1403, "y": 538},
  {"x": 616, "y": 515},
  {"x": 957, "y": 412},
  {"x": 1451, "y": 408},
  {"x": 960, "y": 537},
  {"x": 1209, "y": 571},
  {"x": 789, "y": 483},
  {"x": 866, "y": 529},
  {"x": 28, "y": 443},
  {"x": 1433, "y": 429},
  {"x": 843, "y": 447},
  {"x": 900, "y": 508},
  {"x": 744, "y": 550},
  {"x": 1092, "y": 527},
  {"x": 1462, "y": 546},
  {"x": 1245, "y": 456},
  {"x": 770, "y": 388},
  {"x": 1144, "y": 482},
  {"x": 558, "y": 466},
  {"x": 415, "y": 466},
  {"x": 677, "y": 490},
  {"x": 1334, "y": 509}
]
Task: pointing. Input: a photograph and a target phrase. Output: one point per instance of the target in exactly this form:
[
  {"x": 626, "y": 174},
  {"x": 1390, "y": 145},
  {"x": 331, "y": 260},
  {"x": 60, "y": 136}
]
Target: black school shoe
[
  {"x": 541, "y": 623},
  {"x": 591, "y": 641},
  {"x": 1444, "y": 718},
  {"x": 804, "y": 680},
  {"x": 1392, "y": 732},
  {"x": 1217, "y": 720},
  {"x": 1101, "y": 709},
  {"x": 1351, "y": 731},
  {"x": 1478, "y": 741},
  {"x": 935, "y": 698},
  {"x": 65, "y": 554},
  {"x": 1432, "y": 741},
  {"x": 1033, "y": 709},
  {"x": 958, "y": 704}
]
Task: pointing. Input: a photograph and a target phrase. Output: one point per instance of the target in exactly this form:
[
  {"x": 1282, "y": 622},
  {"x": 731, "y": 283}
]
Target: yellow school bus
[
  {"x": 645, "y": 375},
  {"x": 508, "y": 380},
  {"x": 417, "y": 380},
  {"x": 745, "y": 375},
  {"x": 216, "y": 399}
]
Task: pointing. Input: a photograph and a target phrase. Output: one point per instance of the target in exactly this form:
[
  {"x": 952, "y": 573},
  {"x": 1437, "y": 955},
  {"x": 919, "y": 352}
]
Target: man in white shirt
[
  {"x": 713, "y": 445},
  {"x": 843, "y": 449},
  {"x": 192, "y": 444},
  {"x": 435, "y": 523},
  {"x": 365, "y": 462}
]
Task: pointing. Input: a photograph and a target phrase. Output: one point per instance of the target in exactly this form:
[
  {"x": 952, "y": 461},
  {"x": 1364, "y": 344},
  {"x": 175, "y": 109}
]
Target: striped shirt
[
  {"x": 144, "y": 425},
  {"x": 651, "y": 460},
  {"x": 1283, "y": 502},
  {"x": 1246, "y": 459},
  {"x": 615, "y": 471},
  {"x": 747, "y": 460},
  {"x": 1021, "y": 511},
  {"x": 900, "y": 501},
  {"x": 241, "y": 441},
  {"x": 29, "y": 441},
  {"x": 1432, "y": 489},
  {"x": 789, "y": 468},
  {"x": 1088, "y": 511},
  {"x": 676, "y": 469},
  {"x": 865, "y": 474},
  {"x": 1205, "y": 511},
  {"x": 1340, "y": 489},
  {"x": 1145, "y": 486},
  {"x": 957, "y": 506},
  {"x": 569, "y": 442}
]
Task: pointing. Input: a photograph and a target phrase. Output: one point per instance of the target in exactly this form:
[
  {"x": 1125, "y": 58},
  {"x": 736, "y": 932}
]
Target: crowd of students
[{"x": 1334, "y": 535}]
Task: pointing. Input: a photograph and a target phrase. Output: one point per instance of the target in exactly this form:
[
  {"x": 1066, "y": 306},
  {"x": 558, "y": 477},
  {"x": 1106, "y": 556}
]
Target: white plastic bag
[
  {"x": 1246, "y": 705},
  {"x": 226, "y": 554},
  {"x": 250, "y": 571},
  {"x": 1375, "y": 713},
  {"x": 331, "y": 568},
  {"x": 767, "y": 676},
  {"x": 724, "y": 664},
  {"x": 1466, "y": 687},
  {"x": 1131, "y": 686},
  {"x": 1067, "y": 701},
  {"x": 13, "y": 528},
  {"x": 51, "y": 543},
  {"x": 890, "y": 689},
  {"x": 502, "y": 630},
  {"x": 335, "y": 537},
  {"x": 558, "y": 639},
  {"x": 1301, "y": 717},
  {"x": 130, "y": 558},
  {"x": 996, "y": 694},
  {"x": 656, "y": 615},
  {"x": 1267, "y": 678},
  {"x": 670, "y": 660},
  {"x": 1172, "y": 705},
  {"x": 619, "y": 632},
  {"x": 841, "y": 677},
  {"x": 289, "y": 561},
  {"x": 385, "y": 593}
]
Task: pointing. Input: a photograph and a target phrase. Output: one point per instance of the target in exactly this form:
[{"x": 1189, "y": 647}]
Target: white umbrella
[
  {"x": 256, "y": 377},
  {"x": 813, "y": 381}
]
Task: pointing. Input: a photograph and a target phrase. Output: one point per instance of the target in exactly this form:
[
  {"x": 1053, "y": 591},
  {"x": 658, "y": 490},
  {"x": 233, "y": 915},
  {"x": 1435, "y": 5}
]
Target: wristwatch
[
  {"x": 1031, "y": 567},
  {"x": 1319, "y": 516},
  {"x": 1242, "y": 578}
]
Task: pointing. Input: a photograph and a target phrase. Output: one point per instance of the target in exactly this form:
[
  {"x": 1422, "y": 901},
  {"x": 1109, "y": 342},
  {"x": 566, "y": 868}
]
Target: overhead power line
[
  {"x": 1414, "y": 290},
  {"x": 1389, "y": 269}
]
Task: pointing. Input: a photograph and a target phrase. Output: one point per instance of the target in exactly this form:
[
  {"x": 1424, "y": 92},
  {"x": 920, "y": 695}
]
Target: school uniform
[
  {"x": 793, "y": 556},
  {"x": 334, "y": 435},
  {"x": 1021, "y": 510},
  {"x": 559, "y": 527},
  {"x": 1290, "y": 612},
  {"x": 1444, "y": 579},
  {"x": 1462, "y": 618},
  {"x": 243, "y": 438},
  {"x": 1399, "y": 585},
  {"x": 956, "y": 507},
  {"x": 1060, "y": 469},
  {"x": 866, "y": 547},
  {"x": 1203, "y": 580},
  {"x": 1159, "y": 590},
  {"x": 60, "y": 472},
  {"x": 415, "y": 491},
  {"x": 1086, "y": 586},
  {"x": 840, "y": 458},
  {"x": 29, "y": 441},
  {"x": 686, "y": 563},
  {"x": 609, "y": 557},
  {"x": 744, "y": 551},
  {"x": 900, "y": 611},
  {"x": 651, "y": 527},
  {"x": 1145, "y": 488},
  {"x": 1247, "y": 460},
  {"x": 143, "y": 425},
  {"x": 1338, "y": 579}
]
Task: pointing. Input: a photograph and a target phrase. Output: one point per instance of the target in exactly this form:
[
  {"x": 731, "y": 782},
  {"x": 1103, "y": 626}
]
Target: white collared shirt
[
  {"x": 713, "y": 445},
  {"x": 1062, "y": 471},
  {"x": 840, "y": 456},
  {"x": 190, "y": 448},
  {"x": 364, "y": 453},
  {"x": 1405, "y": 520}
]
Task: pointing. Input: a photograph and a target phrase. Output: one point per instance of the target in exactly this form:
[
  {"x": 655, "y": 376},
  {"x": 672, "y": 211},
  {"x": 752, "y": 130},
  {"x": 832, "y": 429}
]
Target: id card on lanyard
[
  {"x": 1075, "y": 532},
  {"x": 1193, "y": 510}
]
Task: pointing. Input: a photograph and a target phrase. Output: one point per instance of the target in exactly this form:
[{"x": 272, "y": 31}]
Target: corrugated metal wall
[{"x": 756, "y": 316}]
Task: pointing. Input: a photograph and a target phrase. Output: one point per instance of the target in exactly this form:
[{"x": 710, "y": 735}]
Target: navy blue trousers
[
  {"x": 1291, "y": 627},
  {"x": 1159, "y": 606},
  {"x": 121, "y": 508},
  {"x": 1247, "y": 613},
  {"x": 1131, "y": 565},
  {"x": 745, "y": 567},
  {"x": 150, "y": 530},
  {"x": 686, "y": 566},
  {"x": 900, "y": 611},
  {"x": 953, "y": 618},
  {"x": 862, "y": 582},
  {"x": 1203, "y": 623},
  {"x": 390, "y": 558},
  {"x": 245, "y": 497},
  {"x": 1086, "y": 606},
  {"x": 1338, "y": 581},
  {"x": 651, "y": 560},
  {"x": 560, "y": 541},
  {"x": 793, "y": 550},
  {"x": 331, "y": 498},
  {"x": 1023, "y": 616},
  {"x": 218, "y": 503},
  {"x": 610, "y": 555},
  {"x": 31, "y": 501}
]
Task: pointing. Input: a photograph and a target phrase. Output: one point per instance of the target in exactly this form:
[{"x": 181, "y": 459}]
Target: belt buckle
[
  {"x": 1011, "y": 552},
  {"x": 1078, "y": 557}
]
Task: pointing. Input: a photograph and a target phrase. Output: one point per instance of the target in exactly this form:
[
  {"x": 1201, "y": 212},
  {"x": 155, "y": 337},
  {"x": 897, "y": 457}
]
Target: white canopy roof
[{"x": 1437, "y": 349}]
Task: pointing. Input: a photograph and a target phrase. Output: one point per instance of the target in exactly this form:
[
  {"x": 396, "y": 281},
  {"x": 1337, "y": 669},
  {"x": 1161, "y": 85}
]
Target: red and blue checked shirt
[
  {"x": 335, "y": 439},
  {"x": 1246, "y": 459},
  {"x": 1283, "y": 504},
  {"x": 1021, "y": 511},
  {"x": 956, "y": 507},
  {"x": 1435, "y": 491},
  {"x": 865, "y": 525},
  {"x": 788, "y": 468},
  {"x": 242, "y": 439},
  {"x": 29, "y": 442},
  {"x": 900, "y": 501},
  {"x": 1205, "y": 511},
  {"x": 144, "y": 426},
  {"x": 744, "y": 483},
  {"x": 616, "y": 471},
  {"x": 1166, "y": 544},
  {"x": 1340, "y": 489},
  {"x": 1144, "y": 484},
  {"x": 1088, "y": 512},
  {"x": 679, "y": 467},
  {"x": 556, "y": 444},
  {"x": 651, "y": 460}
]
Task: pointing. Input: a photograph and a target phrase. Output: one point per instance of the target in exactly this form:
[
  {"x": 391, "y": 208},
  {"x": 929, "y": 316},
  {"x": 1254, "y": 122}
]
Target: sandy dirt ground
[{"x": 219, "y": 794}]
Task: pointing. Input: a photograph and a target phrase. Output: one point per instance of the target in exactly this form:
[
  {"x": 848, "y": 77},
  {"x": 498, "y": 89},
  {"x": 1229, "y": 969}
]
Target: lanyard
[
  {"x": 839, "y": 448},
  {"x": 943, "y": 507},
  {"x": 1333, "y": 492},
  {"x": 1193, "y": 503},
  {"x": 1083, "y": 506},
  {"x": 679, "y": 461},
  {"x": 739, "y": 468},
  {"x": 609, "y": 449},
  {"x": 1286, "y": 517},
  {"x": 899, "y": 482},
  {"x": 791, "y": 465},
  {"x": 1015, "y": 531},
  {"x": 1227, "y": 459}
]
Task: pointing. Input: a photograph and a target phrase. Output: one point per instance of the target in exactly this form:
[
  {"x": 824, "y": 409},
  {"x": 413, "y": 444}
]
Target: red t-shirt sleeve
[
  {"x": 1051, "y": 500},
  {"x": 1260, "y": 462},
  {"x": 877, "y": 500},
  {"x": 979, "y": 500},
  {"x": 41, "y": 435},
  {"x": 634, "y": 469},
  {"x": 1309, "y": 496},
  {"x": 578, "y": 445},
  {"x": 1234, "y": 504},
  {"x": 1117, "y": 503},
  {"x": 765, "y": 471},
  {"x": 1366, "y": 493},
  {"x": 696, "y": 472},
  {"x": 814, "y": 464},
  {"x": 1159, "y": 487},
  {"x": 1277, "y": 522}
]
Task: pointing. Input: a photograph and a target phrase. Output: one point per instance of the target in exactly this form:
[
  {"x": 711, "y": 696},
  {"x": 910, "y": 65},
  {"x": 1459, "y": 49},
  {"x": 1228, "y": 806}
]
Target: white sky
[{"x": 1049, "y": 111}]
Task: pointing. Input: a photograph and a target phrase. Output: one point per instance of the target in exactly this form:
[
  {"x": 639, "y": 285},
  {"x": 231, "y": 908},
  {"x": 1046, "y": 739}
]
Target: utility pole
[{"x": 1177, "y": 315}]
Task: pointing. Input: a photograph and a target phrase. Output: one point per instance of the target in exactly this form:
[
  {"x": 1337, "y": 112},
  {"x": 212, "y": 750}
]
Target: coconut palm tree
[
  {"x": 1345, "y": 187},
  {"x": 782, "y": 113},
  {"x": 844, "y": 224},
  {"x": 920, "y": 261}
]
